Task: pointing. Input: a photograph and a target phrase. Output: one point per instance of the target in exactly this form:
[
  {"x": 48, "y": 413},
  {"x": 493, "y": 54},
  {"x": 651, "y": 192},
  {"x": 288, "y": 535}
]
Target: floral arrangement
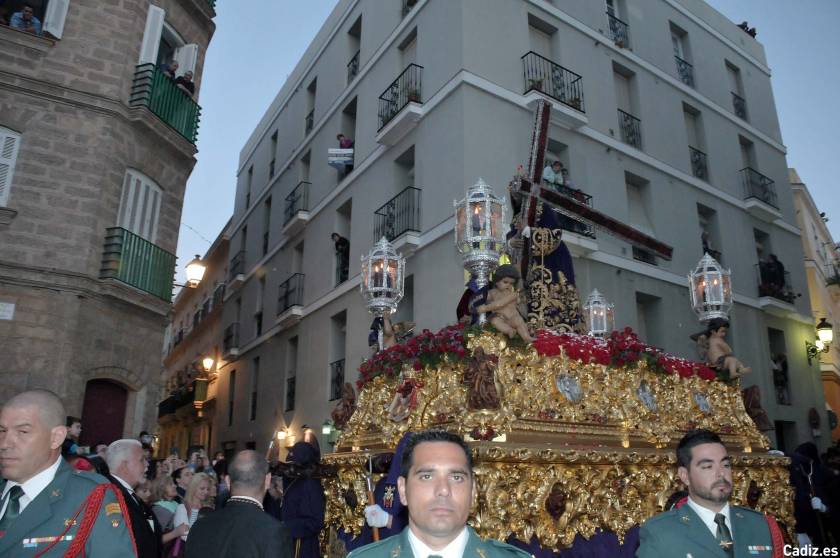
[{"x": 620, "y": 349}]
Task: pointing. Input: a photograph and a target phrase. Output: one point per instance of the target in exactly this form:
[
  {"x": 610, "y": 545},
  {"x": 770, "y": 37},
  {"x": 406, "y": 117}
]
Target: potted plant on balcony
[
  {"x": 535, "y": 83},
  {"x": 413, "y": 95}
]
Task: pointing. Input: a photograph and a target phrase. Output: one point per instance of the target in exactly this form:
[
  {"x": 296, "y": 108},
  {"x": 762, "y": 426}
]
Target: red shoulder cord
[
  {"x": 91, "y": 506},
  {"x": 775, "y": 536}
]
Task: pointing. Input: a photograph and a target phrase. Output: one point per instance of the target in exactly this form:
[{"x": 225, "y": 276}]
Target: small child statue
[
  {"x": 713, "y": 348},
  {"x": 502, "y": 304}
]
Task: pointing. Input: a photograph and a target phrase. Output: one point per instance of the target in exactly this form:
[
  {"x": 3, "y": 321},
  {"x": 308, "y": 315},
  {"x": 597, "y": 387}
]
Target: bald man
[{"x": 43, "y": 500}]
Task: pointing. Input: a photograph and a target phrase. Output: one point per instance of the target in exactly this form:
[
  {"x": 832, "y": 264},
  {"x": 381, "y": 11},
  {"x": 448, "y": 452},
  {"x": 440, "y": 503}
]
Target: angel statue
[{"x": 716, "y": 352}]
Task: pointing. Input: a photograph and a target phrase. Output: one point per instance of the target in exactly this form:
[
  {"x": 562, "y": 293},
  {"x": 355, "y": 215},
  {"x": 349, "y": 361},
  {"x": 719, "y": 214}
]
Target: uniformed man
[
  {"x": 706, "y": 525},
  {"x": 42, "y": 500},
  {"x": 437, "y": 486}
]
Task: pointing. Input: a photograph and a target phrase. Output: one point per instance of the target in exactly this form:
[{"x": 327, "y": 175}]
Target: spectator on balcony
[
  {"x": 344, "y": 142},
  {"x": 772, "y": 277},
  {"x": 4, "y": 15},
  {"x": 553, "y": 174},
  {"x": 185, "y": 83},
  {"x": 26, "y": 21},
  {"x": 342, "y": 252},
  {"x": 170, "y": 69}
]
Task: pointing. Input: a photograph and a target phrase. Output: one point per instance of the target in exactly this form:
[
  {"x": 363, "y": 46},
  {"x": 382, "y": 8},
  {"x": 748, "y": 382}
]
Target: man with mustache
[
  {"x": 706, "y": 525},
  {"x": 437, "y": 485}
]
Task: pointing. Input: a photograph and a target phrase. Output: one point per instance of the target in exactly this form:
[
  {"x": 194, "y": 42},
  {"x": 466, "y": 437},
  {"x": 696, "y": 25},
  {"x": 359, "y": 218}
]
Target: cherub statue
[
  {"x": 393, "y": 334},
  {"x": 346, "y": 406},
  {"x": 714, "y": 350},
  {"x": 502, "y": 303}
]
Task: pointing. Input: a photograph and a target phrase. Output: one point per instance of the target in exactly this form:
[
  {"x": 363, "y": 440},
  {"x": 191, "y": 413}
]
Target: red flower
[{"x": 418, "y": 365}]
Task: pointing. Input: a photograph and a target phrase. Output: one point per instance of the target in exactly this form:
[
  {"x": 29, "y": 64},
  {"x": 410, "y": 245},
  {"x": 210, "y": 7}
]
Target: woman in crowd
[
  {"x": 164, "y": 506},
  {"x": 187, "y": 513}
]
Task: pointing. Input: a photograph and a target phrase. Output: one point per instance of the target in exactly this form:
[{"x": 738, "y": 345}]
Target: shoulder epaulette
[
  {"x": 509, "y": 548},
  {"x": 368, "y": 547}
]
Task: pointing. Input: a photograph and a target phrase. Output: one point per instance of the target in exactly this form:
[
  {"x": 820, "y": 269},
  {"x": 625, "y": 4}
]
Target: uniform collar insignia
[
  {"x": 685, "y": 518},
  {"x": 726, "y": 545},
  {"x": 56, "y": 493},
  {"x": 395, "y": 552},
  {"x": 480, "y": 552},
  {"x": 739, "y": 515}
]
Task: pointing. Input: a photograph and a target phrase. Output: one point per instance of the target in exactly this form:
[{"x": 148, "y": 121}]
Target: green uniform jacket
[
  {"x": 45, "y": 516},
  {"x": 680, "y": 533},
  {"x": 399, "y": 546}
]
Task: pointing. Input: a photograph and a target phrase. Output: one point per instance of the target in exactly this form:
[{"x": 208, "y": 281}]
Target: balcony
[
  {"x": 685, "y": 71},
  {"x": 181, "y": 397},
  {"x": 290, "y": 301},
  {"x": 698, "y": 164},
  {"x": 340, "y": 159},
  {"x": 336, "y": 379},
  {"x": 400, "y": 106},
  {"x": 619, "y": 31},
  {"x": 579, "y": 237},
  {"x": 230, "y": 341},
  {"x": 156, "y": 91},
  {"x": 631, "y": 129},
  {"x": 236, "y": 271},
  {"x": 544, "y": 78},
  {"x": 775, "y": 293},
  {"x": 832, "y": 280},
  {"x": 398, "y": 220},
  {"x": 353, "y": 67},
  {"x": 296, "y": 212},
  {"x": 739, "y": 106},
  {"x": 759, "y": 195},
  {"x": 407, "y": 6},
  {"x": 309, "y": 121},
  {"x": 137, "y": 262}
]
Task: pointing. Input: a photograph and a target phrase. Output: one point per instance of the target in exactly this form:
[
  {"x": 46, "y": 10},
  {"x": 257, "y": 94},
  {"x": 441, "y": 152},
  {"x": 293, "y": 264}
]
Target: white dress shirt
[
  {"x": 32, "y": 487},
  {"x": 708, "y": 517},
  {"x": 455, "y": 549}
]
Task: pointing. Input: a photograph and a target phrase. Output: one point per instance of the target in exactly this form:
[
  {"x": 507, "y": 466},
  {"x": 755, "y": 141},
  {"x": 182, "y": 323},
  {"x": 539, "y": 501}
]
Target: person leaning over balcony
[
  {"x": 552, "y": 174},
  {"x": 344, "y": 142},
  {"x": 26, "y": 21},
  {"x": 186, "y": 84},
  {"x": 170, "y": 69}
]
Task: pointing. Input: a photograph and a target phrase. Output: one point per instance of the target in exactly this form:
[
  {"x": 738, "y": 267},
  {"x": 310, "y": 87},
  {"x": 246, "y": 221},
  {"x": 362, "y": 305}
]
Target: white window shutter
[
  {"x": 151, "y": 36},
  {"x": 54, "y": 17},
  {"x": 140, "y": 205},
  {"x": 9, "y": 143},
  {"x": 186, "y": 56}
]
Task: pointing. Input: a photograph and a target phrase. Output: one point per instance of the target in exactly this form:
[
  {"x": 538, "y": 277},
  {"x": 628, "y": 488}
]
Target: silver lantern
[
  {"x": 599, "y": 314},
  {"x": 711, "y": 289},
  {"x": 480, "y": 231},
  {"x": 383, "y": 280}
]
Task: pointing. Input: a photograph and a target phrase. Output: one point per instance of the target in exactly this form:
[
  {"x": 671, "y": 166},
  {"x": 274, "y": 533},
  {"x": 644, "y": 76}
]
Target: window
[
  {"x": 408, "y": 48},
  {"x": 258, "y": 315},
  {"x": 140, "y": 205},
  {"x": 625, "y": 96},
  {"x": 249, "y": 180},
  {"x": 231, "y": 396},
  {"x": 696, "y": 145},
  {"x": 266, "y": 225},
  {"x": 297, "y": 258},
  {"x": 709, "y": 239},
  {"x": 779, "y": 365},
  {"x": 342, "y": 246},
  {"x": 291, "y": 368},
  {"x": 648, "y": 319},
  {"x": 354, "y": 39},
  {"x": 539, "y": 36},
  {"x": 338, "y": 334},
  {"x": 304, "y": 166},
  {"x": 682, "y": 56},
  {"x": 255, "y": 379},
  {"x": 9, "y": 144},
  {"x": 637, "y": 198},
  {"x": 162, "y": 44},
  {"x": 736, "y": 87},
  {"x": 309, "y": 120},
  {"x": 273, "y": 154},
  {"x": 747, "y": 153},
  {"x": 51, "y": 14}
]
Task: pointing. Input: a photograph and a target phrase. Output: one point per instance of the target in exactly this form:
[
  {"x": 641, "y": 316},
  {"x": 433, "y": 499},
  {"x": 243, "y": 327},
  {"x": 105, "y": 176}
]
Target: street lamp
[
  {"x": 195, "y": 272},
  {"x": 825, "y": 335},
  {"x": 207, "y": 363},
  {"x": 599, "y": 314},
  {"x": 479, "y": 231},
  {"x": 383, "y": 279},
  {"x": 710, "y": 287}
]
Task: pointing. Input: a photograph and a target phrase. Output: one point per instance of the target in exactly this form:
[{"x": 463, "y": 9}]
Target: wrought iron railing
[
  {"x": 541, "y": 74},
  {"x": 756, "y": 185},
  {"x": 405, "y": 89},
  {"x": 184, "y": 395},
  {"x": 290, "y": 293},
  {"x": 230, "y": 339},
  {"x": 153, "y": 89},
  {"x": 573, "y": 225},
  {"x": 309, "y": 121},
  {"x": 774, "y": 283},
  {"x": 398, "y": 215},
  {"x": 631, "y": 129},
  {"x": 739, "y": 106},
  {"x": 685, "y": 71},
  {"x": 336, "y": 379},
  {"x": 832, "y": 274},
  {"x": 237, "y": 265},
  {"x": 619, "y": 31},
  {"x": 219, "y": 296},
  {"x": 297, "y": 200},
  {"x": 698, "y": 163},
  {"x": 135, "y": 261},
  {"x": 353, "y": 66},
  {"x": 407, "y": 5}
]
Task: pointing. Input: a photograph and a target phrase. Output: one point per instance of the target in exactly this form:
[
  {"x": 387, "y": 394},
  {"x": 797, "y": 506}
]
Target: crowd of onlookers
[{"x": 184, "y": 82}]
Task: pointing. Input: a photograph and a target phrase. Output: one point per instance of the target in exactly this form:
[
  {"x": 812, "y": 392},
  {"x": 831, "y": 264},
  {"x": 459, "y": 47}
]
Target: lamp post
[
  {"x": 599, "y": 314},
  {"x": 383, "y": 279},
  {"x": 825, "y": 335},
  {"x": 710, "y": 287},
  {"x": 195, "y": 272},
  {"x": 479, "y": 231}
]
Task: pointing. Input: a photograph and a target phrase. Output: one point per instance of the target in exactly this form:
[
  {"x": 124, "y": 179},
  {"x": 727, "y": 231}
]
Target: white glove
[
  {"x": 803, "y": 540},
  {"x": 376, "y": 516},
  {"x": 526, "y": 232},
  {"x": 818, "y": 505}
]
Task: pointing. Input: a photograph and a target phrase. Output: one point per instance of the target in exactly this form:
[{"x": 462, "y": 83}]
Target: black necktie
[
  {"x": 724, "y": 537},
  {"x": 12, "y": 508}
]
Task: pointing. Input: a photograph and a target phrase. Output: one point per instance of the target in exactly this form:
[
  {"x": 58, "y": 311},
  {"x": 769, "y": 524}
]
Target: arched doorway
[{"x": 103, "y": 413}]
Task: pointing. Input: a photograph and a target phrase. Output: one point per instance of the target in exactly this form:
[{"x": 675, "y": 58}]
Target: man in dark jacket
[
  {"x": 127, "y": 465},
  {"x": 241, "y": 528},
  {"x": 303, "y": 502}
]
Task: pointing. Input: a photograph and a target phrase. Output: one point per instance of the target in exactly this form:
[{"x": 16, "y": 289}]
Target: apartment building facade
[
  {"x": 822, "y": 267},
  {"x": 97, "y": 145},
  {"x": 437, "y": 94}
]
